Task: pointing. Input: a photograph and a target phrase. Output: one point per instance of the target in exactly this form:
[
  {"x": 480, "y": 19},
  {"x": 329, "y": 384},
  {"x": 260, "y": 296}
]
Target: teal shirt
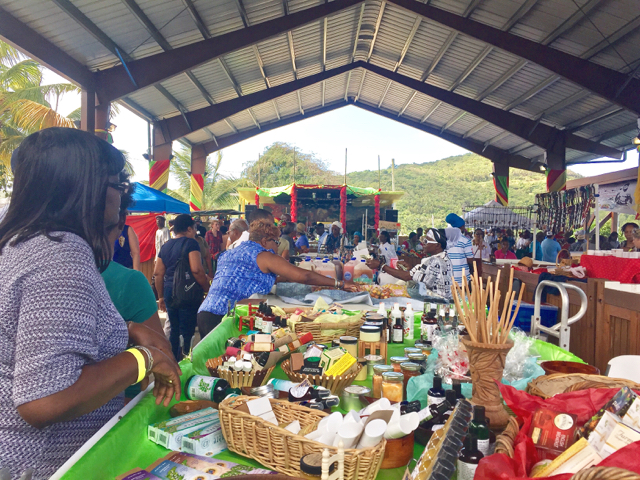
[
  {"x": 132, "y": 296},
  {"x": 130, "y": 292}
]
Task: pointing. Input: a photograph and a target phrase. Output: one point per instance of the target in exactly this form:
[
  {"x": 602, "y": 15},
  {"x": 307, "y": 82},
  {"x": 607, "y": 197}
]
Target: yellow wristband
[{"x": 142, "y": 365}]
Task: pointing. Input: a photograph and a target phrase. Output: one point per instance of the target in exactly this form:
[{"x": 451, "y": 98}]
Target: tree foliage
[
  {"x": 218, "y": 188},
  {"x": 276, "y": 168}
]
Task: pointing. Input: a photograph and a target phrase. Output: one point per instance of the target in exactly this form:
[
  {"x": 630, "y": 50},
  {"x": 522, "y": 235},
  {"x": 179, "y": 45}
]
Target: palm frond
[
  {"x": 25, "y": 74},
  {"x": 76, "y": 115},
  {"x": 31, "y": 116},
  {"x": 10, "y": 138},
  {"x": 9, "y": 55}
]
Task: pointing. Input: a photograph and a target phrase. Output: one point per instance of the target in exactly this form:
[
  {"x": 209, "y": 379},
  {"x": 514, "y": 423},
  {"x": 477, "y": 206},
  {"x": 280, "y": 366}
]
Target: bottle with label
[
  {"x": 199, "y": 387},
  {"x": 480, "y": 429},
  {"x": 347, "y": 271},
  {"x": 469, "y": 458},
  {"x": 306, "y": 265},
  {"x": 428, "y": 417},
  {"x": 457, "y": 387},
  {"x": 436, "y": 394},
  {"x": 450, "y": 399},
  {"x": 429, "y": 323},
  {"x": 408, "y": 322},
  {"x": 397, "y": 335}
]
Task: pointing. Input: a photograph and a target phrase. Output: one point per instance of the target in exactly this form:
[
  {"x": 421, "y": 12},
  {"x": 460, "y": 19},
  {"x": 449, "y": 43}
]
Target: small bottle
[
  {"x": 381, "y": 310},
  {"x": 398, "y": 332},
  {"x": 469, "y": 458},
  {"x": 480, "y": 429},
  {"x": 408, "y": 322},
  {"x": 432, "y": 412},
  {"x": 199, "y": 387},
  {"x": 436, "y": 395},
  {"x": 457, "y": 387},
  {"x": 395, "y": 313},
  {"x": 429, "y": 323},
  {"x": 450, "y": 397}
]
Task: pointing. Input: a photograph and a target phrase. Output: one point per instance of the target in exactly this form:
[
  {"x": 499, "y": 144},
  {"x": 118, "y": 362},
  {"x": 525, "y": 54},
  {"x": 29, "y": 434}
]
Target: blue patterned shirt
[{"x": 238, "y": 277}]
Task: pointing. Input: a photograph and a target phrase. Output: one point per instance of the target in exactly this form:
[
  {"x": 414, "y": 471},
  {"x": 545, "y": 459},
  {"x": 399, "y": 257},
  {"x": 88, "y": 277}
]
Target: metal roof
[{"x": 395, "y": 35}]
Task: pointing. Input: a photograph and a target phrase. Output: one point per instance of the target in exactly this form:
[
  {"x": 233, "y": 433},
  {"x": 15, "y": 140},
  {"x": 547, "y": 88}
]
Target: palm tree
[
  {"x": 217, "y": 187},
  {"x": 25, "y": 104}
]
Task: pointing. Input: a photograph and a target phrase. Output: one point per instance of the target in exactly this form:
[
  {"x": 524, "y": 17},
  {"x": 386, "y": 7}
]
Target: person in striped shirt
[{"x": 459, "y": 247}]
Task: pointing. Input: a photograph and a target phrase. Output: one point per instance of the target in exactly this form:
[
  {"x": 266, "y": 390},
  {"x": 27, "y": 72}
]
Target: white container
[
  {"x": 307, "y": 264},
  {"x": 402, "y": 427},
  {"x": 362, "y": 273},
  {"x": 382, "y": 310},
  {"x": 349, "y": 433},
  {"x": 373, "y": 433},
  {"x": 326, "y": 269},
  {"x": 409, "y": 323},
  {"x": 348, "y": 270},
  {"x": 591, "y": 252}
]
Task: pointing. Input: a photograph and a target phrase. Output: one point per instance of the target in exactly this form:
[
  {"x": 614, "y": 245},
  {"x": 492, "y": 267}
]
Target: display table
[
  {"x": 125, "y": 445},
  {"x": 624, "y": 270}
]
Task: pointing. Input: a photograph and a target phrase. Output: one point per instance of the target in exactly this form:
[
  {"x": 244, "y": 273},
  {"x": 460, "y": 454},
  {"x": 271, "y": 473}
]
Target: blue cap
[{"x": 454, "y": 220}]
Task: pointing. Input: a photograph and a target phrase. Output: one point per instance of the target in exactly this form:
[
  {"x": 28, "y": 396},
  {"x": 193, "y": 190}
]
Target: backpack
[{"x": 186, "y": 291}]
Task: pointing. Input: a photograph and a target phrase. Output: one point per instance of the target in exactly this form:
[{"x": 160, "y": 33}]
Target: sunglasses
[
  {"x": 274, "y": 241},
  {"x": 123, "y": 187}
]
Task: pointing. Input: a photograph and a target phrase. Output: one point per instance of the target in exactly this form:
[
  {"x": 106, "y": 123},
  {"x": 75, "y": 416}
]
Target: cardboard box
[
  {"x": 552, "y": 432},
  {"x": 137, "y": 474},
  {"x": 331, "y": 356},
  {"x": 632, "y": 417},
  {"x": 172, "y": 438},
  {"x": 343, "y": 364},
  {"x": 155, "y": 429},
  {"x": 620, "y": 437},
  {"x": 170, "y": 471},
  {"x": 619, "y": 404},
  {"x": 208, "y": 441},
  {"x": 297, "y": 362},
  {"x": 603, "y": 429}
]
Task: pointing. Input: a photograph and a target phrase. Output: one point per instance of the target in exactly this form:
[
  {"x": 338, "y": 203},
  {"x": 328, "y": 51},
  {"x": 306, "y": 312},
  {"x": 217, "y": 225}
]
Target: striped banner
[
  {"x": 197, "y": 187},
  {"x": 556, "y": 180},
  {"x": 159, "y": 175},
  {"x": 501, "y": 185}
]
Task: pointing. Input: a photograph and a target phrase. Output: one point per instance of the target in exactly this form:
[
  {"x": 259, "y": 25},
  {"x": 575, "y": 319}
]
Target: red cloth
[
  {"x": 508, "y": 256},
  {"x": 584, "y": 404},
  {"x": 145, "y": 227},
  {"x": 624, "y": 270}
]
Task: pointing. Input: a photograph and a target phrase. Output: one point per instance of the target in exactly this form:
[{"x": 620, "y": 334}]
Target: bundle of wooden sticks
[{"x": 471, "y": 305}]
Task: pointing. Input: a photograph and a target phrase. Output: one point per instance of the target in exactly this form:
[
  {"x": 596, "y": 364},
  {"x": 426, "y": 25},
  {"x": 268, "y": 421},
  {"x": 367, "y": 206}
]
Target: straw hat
[{"x": 526, "y": 261}]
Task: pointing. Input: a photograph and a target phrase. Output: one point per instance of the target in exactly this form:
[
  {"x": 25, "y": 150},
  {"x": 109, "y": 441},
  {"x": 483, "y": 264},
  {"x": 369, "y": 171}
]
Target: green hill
[{"x": 447, "y": 185}]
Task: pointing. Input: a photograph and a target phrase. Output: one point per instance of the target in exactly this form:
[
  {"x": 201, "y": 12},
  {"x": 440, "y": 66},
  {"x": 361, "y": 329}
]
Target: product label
[
  {"x": 348, "y": 276},
  {"x": 408, "y": 330},
  {"x": 429, "y": 330},
  {"x": 397, "y": 335},
  {"x": 434, "y": 400},
  {"x": 466, "y": 471},
  {"x": 484, "y": 446},
  {"x": 201, "y": 388},
  {"x": 257, "y": 324}
]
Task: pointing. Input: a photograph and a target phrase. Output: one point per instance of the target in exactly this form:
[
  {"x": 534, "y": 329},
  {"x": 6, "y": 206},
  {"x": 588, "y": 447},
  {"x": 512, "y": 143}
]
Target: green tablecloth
[{"x": 125, "y": 446}]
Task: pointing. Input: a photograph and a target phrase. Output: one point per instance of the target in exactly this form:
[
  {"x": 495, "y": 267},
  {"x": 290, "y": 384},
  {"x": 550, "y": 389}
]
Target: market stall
[{"x": 129, "y": 431}]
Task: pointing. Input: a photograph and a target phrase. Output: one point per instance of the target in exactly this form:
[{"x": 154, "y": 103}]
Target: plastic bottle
[
  {"x": 347, "y": 271},
  {"x": 436, "y": 394},
  {"x": 200, "y": 387},
  {"x": 362, "y": 273},
  {"x": 398, "y": 332},
  {"x": 382, "y": 310},
  {"x": 326, "y": 269},
  {"x": 408, "y": 323},
  {"x": 469, "y": 458},
  {"x": 480, "y": 429},
  {"x": 450, "y": 399},
  {"x": 307, "y": 265}
]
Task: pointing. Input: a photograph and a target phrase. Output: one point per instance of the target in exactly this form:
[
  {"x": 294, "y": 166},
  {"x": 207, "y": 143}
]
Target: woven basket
[
  {"x": 547, "y": 386},
  {"x": 280, "y": 450},
  {"x": 238, "y": 379},
  {"x": 327, "y": 331},
  {"x": 504, "y": 441},
  {"x": 335, "y": 384},
  {"x": 605, "y": 473}
]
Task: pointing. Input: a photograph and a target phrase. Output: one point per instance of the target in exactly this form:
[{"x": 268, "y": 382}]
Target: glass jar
[
  {"x": 370, "y": 333},
  {"x": 378, "y": 370},
  {"x": 409, "y": 350},
  {"x": 420, "y": 359},
  {"x": 350, "y": 344},
  {"x": 396, "y": 361},
  {"x": 392, "y": 386},
  {"x": 424, "y": 347},
  {"x": 373, "y": 360},
  {"x": 409, "y": 369}
]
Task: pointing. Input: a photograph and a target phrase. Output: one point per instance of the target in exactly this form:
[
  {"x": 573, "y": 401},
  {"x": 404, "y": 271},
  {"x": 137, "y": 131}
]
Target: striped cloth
[{"x": 458, "y": 255}]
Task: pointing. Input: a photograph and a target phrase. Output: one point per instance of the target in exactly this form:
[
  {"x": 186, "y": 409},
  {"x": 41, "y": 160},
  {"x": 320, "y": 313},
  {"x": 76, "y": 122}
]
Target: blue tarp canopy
[{"x": 149, "y": 199}]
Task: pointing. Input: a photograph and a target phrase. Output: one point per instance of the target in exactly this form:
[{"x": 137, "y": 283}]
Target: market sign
[{"x": 618, "y": 197}]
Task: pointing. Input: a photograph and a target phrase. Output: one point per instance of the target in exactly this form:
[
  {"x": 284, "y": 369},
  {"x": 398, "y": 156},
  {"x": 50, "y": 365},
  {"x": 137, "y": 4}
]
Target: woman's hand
[
  {"x": 167, "y": 377},
  {"x": 373, "y": 264},
  {"x": 161, "y": 305},
  {"x": 144, "y": 336}
]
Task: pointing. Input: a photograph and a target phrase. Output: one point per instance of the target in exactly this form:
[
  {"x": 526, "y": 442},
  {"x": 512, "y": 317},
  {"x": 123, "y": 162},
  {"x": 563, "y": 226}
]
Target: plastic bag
[
  {"x": 548, "y": 351},
  {"x": 520, "y": 365}
]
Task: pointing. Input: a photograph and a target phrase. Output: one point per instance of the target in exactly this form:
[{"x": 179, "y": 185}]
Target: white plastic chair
[{"x": 625, "y": 366}]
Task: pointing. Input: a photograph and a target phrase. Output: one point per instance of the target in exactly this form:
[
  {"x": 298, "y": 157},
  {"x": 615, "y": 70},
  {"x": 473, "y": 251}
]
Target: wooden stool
[{"x": 373, "y": 348}]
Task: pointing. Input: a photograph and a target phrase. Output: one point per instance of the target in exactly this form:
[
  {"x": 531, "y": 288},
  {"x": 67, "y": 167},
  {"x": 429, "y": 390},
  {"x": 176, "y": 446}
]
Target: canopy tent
[
  {"x": 148, "y": 199},
  {"x": 492, "y": 214}
]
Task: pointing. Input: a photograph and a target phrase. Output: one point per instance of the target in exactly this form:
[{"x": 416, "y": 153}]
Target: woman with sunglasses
[
  {"x": 432, "y": 276},
  {"x": 253, "y": 267},
  {"x": 64, "y": 363}
]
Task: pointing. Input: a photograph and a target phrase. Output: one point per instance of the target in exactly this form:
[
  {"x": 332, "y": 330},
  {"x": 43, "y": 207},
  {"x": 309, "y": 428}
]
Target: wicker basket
[
  {"x": 238, "y": 379},
  {"x": 335, "y": 384},
  {"x": 504, "y": 441},
  {"x": 280, "y": 450},
  {"x": 605, "y": 473},
  {"x": 327, "y": 331},
  {"x": 547, "y": 386}
]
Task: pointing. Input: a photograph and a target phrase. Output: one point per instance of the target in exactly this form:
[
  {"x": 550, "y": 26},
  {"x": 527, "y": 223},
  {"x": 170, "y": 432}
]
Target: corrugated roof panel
[
  {"x": 425, "y": 45},
  {"x": 419, "y": 106},
  {"x": 442, "y": 115},
  {"x": 219, "y": 17},
  {"x": 616, "y": 121},
  {"x": 464, "y": 124},
  {"x": 373, "y": 87},
  {"x": 354, "y": 82},
  {"x": 288, "y": 104},
  {"x": 334, "y": 88},
  {"x": 274, "y": 53},
  {"x": 171, "y": 19},
  {"x": 396, "y": 97},
  {"x": 462, "y": 51},
  {"x": 545, "y": 17},
  {"x": 265, "y": 112},
  {"x": 526, "y": 78},
  {"x": 486, "y": 73},
  {"x": 547, "y": 98},
  {"x": 214, "y": 80},
  {"x": 185, "y": 92},
  {"x": 200, "y": 136},
  {"x": 341, "y": 31},
  {"x": 454, "y": 6},
  {"x": 627, "y": 49},
  {"x": 260, "y": 11},
  {"x": 367, "y": 29},
  {"x": 242, "y": 120},
  {"x": 487, "y": 133},
  {"x": 153, "y": 101},
  {"x": 394, "y": 31},
  {"x": 297, "y": 5},
  {"x": 244, "y": 68},
  {"x": 307, "y": 44},
  {"x": 311, "y": 96},
  {"x": 577, "y": 110},
  {"x": 495, "y": 13},
  {"x": 221, "y": 129}
]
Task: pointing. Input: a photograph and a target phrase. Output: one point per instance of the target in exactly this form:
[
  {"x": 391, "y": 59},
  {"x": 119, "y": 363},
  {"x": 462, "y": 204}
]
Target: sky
[{"x": 364, "y": 135}]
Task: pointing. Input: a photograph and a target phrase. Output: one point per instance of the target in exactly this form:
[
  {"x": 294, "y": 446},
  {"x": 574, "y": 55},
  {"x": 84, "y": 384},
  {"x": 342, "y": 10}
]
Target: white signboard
[{"x": 618, "y": 197}]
